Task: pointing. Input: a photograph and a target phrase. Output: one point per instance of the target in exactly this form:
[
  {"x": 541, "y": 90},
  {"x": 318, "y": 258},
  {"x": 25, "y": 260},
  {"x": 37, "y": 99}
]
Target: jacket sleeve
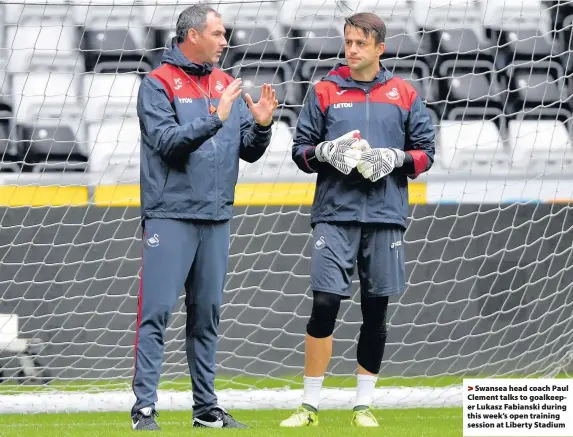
[
  {"x": 159, "y": 123},
  {"x": 254, "y": 138},
  {"x": 309, "y": 133},
  {"x": 420, "y": 145}
]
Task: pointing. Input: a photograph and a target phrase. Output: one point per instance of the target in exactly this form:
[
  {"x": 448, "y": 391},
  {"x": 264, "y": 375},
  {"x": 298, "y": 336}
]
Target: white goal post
[{"x": 490, "y": 239}]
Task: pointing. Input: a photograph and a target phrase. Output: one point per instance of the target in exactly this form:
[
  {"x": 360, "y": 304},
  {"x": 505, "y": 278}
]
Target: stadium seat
[
  {"x": 404, "y": 39},
  {"x": 471, "y": 90},
  {"x": 315, "y": 28},
  {"x": 8, "y": 154},
  {"x": 5, "y": 85},
  {"x": 50, "y": 145},
  {"x": 540, "y": 147},
  {"x": 459, "y": 45},
  {"x": 529, "y": 89},
  {"x": 403, "y": 45},
  {"x": 445, "y": 14},
  {"x": 279, "y": 74},
  {"x": 158, "y": 41},
  {"x": 254, "y": 42},
  {"x": 43, "y": 94},
  {"x": 114, "y": 153},
  {"x": 253, "y": 31},
  {"x": 109, "y": 96},
  {"x": 113, "y": 37},
  {"x": 515, "y": 14},
  {"x": 530, "y": 44},
  {"x": 318, "y": 41},
  {"x": 115, "y": 50},
  {"x": 565, "y": 38},
  {"x": 559, "y": 11},
  {"x": 313, "y": 71},
  {"x": 472, "y": 147},
  {"x": 44, "y": 48},
  {"x": 538, "y": 89},
  {"x": 517, "y": 27}
]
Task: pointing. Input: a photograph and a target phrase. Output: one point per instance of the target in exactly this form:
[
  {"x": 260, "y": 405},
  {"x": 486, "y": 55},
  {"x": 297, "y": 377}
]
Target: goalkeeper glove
[
  {"x": 377, "y": 163},
  {"x": 343, "y": 153}
]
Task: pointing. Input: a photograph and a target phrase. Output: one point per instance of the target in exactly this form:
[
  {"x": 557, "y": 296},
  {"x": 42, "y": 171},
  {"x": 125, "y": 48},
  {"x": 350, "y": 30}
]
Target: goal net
[{"x": 490, "y": 238}]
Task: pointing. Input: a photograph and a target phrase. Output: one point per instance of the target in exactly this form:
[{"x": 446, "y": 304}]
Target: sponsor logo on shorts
[
  {"x": 153, "y": 241},
  {"x": 320, "y": 243}
]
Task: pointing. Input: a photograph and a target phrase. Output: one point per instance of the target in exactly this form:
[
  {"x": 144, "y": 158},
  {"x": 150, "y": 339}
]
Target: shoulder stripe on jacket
[{"x": 156, "y": 74}]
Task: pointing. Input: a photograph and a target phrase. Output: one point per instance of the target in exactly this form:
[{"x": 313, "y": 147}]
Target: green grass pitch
[
  {"x": 263, "y": 423},
  {"x": 420, "y": 422}
]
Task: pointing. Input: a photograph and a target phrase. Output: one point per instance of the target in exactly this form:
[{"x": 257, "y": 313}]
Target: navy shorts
[{"x": 377, "y": 249}]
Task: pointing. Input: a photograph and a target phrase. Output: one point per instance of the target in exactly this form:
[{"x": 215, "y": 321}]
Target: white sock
[
  {"x": 365, "y": 390},
  {"x": 312, "y": 386}
]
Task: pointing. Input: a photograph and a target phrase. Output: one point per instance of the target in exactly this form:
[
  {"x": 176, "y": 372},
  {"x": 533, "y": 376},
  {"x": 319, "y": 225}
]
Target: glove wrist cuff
[
  {"x": 318, "y": 151},
  {"x": 400, "y": 156}
]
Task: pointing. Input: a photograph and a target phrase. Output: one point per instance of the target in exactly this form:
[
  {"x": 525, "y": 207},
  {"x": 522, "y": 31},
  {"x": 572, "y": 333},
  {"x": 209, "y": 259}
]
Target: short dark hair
[
  {"x": 369, "y": 23},
  {"x": 193, "y": 17}
]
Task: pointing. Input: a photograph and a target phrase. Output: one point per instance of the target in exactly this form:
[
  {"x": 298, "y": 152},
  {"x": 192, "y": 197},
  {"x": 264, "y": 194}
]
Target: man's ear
[
  {"x": 193, "y": 35},
  {"x": 381, "y": 48}
]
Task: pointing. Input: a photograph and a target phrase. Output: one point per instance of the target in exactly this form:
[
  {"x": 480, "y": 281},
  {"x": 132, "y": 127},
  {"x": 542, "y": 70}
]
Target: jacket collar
[
  {"x": 340, "y": 75},
  {"x": 174, "y": 56}
]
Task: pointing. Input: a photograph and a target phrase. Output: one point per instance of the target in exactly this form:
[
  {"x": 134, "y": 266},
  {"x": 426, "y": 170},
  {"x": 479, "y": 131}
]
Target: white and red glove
[
  {"x": 343, "y": 153},
  {"x": 376, "y": 163}
]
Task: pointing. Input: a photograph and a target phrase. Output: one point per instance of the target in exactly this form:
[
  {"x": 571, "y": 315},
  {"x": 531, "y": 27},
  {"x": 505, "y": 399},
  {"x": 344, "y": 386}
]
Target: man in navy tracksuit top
[
  {"x": 364, "y": 131},
  {"x": 194, "y": 128}
]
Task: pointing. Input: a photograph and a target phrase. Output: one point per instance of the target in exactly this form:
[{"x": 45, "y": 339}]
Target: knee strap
[{"x": 325, "y": 308}]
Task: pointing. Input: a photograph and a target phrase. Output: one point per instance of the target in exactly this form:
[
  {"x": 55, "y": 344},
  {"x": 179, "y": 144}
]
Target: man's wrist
[
  {"x": 221, "y": 119},
  {"x": 264, "y": 124},
  {"x": 217, "y": 119},
  {"x": 264, "y": 127}
]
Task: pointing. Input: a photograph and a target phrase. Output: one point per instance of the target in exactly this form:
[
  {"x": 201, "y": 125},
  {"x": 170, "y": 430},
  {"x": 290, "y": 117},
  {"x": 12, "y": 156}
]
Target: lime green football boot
[
  {"x": 304, "y": 416},
  {"x": 363, "y": 418}
]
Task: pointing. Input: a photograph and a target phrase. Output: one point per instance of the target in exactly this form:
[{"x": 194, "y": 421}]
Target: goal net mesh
[{"x": 490, "y": 238}]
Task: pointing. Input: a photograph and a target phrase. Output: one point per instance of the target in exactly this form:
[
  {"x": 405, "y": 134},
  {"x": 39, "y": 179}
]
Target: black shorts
[{"x": 378, "y": 249}]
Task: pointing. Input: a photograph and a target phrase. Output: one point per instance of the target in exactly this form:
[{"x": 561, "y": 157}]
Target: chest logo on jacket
[
  {"x": 219, "y": 87},
  {"x": 393, "y": 94},
  {"x": 178, "y": 83}
]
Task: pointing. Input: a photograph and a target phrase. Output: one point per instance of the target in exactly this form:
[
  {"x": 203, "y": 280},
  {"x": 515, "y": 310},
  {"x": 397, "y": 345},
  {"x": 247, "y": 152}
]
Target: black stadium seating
[{"x": 480, "y": 71}]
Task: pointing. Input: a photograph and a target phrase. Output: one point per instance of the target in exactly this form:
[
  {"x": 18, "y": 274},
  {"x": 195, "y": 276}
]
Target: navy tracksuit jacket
[
  {"x": 390, "y": 114},
  {"x": 189, "y": 168}
]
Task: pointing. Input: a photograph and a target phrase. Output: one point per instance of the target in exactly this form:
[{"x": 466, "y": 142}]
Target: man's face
[
  {"x": 210, "y": 42},
  {"x": 361, "y": 51}
]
